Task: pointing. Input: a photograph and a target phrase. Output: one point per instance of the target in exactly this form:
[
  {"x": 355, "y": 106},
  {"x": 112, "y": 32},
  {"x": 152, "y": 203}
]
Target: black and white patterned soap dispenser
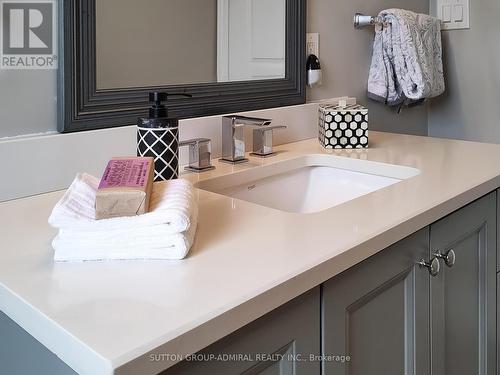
[{"x": 158, "y": 137}]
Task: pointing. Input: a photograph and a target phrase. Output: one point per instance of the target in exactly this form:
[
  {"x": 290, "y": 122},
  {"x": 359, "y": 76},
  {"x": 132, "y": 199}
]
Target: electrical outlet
[{"x": 312, "y": 44}]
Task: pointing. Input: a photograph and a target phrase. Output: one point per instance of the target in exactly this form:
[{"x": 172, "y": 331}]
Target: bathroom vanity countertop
[{"x": 104, "y": 318}]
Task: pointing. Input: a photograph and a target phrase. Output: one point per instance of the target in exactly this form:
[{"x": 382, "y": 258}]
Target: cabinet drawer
[{"x": 280, "y": 342}]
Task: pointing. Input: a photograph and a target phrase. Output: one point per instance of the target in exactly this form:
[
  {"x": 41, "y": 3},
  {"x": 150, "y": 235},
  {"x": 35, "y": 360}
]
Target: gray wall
[
  {"x": 166, "y": 43},
  {"x": 345, "y": 55},
  {"x": 27, "y": 102},
  {"x": 471, "y": 107}
]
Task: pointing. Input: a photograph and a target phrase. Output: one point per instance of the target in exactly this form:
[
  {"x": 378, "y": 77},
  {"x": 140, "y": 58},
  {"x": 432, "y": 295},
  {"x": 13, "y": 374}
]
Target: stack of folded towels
[{"x": 165, "y": 232}]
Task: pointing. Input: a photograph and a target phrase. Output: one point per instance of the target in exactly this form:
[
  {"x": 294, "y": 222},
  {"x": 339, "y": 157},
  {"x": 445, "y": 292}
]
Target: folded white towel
[
  {"x": 406, "y": 65},
  {"x": 124, "y": 245},
  {"x": 166, "y": 232},
  {"x": 172, "y": 203}
]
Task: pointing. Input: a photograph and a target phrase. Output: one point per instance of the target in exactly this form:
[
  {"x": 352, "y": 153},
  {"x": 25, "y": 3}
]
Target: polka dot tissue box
[{"x": 343, "y": 126}]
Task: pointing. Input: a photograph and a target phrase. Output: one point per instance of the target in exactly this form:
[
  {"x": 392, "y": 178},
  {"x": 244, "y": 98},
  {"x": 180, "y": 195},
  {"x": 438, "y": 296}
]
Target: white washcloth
[
  {"x": 172, "y": 203},
  {"x": 406, "y": 65},
  {"x": 166, "y": 232}
]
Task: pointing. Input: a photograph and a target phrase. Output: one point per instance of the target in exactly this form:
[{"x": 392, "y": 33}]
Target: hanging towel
[
  {"x": 166, "y": 232},
  {"x": 406, "y": 65}
]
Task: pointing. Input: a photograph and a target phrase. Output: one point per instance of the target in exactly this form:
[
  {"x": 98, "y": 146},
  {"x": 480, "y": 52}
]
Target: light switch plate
[
  {"x": 454, "y": 14},
  {"x": 312, "y": 44}
]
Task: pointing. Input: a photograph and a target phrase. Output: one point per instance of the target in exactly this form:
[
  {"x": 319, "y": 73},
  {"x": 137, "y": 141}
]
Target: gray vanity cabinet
[
  {"x": 498, "y": 322},
  {"x": 391, "y": 316},
  {"x": 377, "y": 313},
  {"x": 463, "y": 296},
  {"x": 22, "y": 354},
  {"x": 270, "y": 344}
]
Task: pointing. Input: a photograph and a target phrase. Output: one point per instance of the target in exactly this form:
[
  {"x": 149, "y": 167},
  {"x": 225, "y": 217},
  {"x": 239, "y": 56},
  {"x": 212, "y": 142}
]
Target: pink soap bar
[
  {"x": 124, "y": 172},
  {"x": 125, "y": 188}
]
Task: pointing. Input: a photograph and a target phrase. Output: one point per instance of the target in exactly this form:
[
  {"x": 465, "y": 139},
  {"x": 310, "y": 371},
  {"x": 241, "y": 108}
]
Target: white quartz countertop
[{"x": 105, "y": 318}]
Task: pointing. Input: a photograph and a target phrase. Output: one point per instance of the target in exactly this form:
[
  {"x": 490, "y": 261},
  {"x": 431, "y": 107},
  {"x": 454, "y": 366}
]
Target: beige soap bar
[{"x": 125, "y": 188}]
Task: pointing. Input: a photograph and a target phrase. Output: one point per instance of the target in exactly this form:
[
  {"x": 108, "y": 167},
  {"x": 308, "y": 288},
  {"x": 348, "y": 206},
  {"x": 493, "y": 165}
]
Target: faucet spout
[
  {"x": 253, "y": 121},
  {"x": 233, "y": 136}
]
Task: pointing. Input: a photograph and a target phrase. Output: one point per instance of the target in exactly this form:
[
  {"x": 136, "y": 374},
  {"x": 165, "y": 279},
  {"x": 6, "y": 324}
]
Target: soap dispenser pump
[{"x": 158, "y": 137}]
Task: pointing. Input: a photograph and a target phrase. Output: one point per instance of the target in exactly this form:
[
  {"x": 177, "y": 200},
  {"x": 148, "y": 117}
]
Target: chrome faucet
[{"x": 233, "y": 136}]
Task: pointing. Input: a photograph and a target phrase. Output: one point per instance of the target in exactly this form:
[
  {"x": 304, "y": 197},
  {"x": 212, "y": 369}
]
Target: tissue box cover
[{"x": 343, "y": 127}]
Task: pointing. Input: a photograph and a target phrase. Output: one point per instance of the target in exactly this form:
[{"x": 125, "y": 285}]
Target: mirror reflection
[{"x": 180, "y": 42}]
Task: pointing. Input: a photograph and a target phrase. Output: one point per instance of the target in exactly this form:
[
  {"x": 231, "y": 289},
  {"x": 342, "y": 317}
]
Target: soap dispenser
[
  {"x": 314, "y": 72},
  {"x": 158, "y": 137}
]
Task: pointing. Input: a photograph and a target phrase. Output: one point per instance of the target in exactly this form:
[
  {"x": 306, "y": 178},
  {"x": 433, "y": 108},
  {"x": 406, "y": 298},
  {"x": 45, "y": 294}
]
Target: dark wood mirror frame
[{"x": 82, "y": 106}]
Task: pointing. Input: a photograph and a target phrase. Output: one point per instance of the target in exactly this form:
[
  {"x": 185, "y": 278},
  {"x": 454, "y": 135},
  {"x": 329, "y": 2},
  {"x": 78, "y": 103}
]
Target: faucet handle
[
  {"x": 263, "y": 140},
  {"x": 200, "y": 154}
]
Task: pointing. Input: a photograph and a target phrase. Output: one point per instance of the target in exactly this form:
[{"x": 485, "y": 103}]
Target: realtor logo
[{"x": 28, "y": 35}]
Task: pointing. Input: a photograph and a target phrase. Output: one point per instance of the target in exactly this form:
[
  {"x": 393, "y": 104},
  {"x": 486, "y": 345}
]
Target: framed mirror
[{"x": 231, "y": 55}]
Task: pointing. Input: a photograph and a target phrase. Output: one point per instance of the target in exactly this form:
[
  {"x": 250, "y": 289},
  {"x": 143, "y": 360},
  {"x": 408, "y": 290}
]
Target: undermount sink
[{"x": 309, "y": 183}]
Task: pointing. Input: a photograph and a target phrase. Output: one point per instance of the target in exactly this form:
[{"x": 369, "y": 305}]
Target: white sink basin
[{"x": 308, "y": 184}]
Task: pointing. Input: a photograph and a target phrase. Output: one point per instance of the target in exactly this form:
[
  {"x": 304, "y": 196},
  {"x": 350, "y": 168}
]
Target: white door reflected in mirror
[{"x": 250, "y": 39}]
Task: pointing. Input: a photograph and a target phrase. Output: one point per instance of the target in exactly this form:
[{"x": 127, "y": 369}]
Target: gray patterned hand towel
[{"x": 407, "y": 62}]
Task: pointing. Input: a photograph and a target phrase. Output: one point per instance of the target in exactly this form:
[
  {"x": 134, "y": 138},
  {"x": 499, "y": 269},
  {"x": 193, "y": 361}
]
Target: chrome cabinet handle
[
  {"x": 433, "y": 266},
  {"x": 449, "y": 258}
]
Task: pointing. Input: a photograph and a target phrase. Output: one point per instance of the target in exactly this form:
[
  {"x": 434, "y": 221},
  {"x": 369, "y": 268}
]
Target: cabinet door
[
  {"x": 463, "y": 296},
  {"x": 498, "y": 320},
  {"x": 279, "y": 343},
  {"x": 377, "y": 313}
]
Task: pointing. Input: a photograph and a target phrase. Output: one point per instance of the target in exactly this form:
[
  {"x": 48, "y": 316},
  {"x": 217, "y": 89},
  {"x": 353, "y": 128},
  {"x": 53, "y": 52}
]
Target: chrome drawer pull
[
  {"x": 433, "y": 266},
  {"x": 449, "y": 258}
]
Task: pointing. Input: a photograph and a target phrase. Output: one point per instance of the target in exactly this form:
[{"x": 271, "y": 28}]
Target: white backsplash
[{"x": 39, "y": 164}]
